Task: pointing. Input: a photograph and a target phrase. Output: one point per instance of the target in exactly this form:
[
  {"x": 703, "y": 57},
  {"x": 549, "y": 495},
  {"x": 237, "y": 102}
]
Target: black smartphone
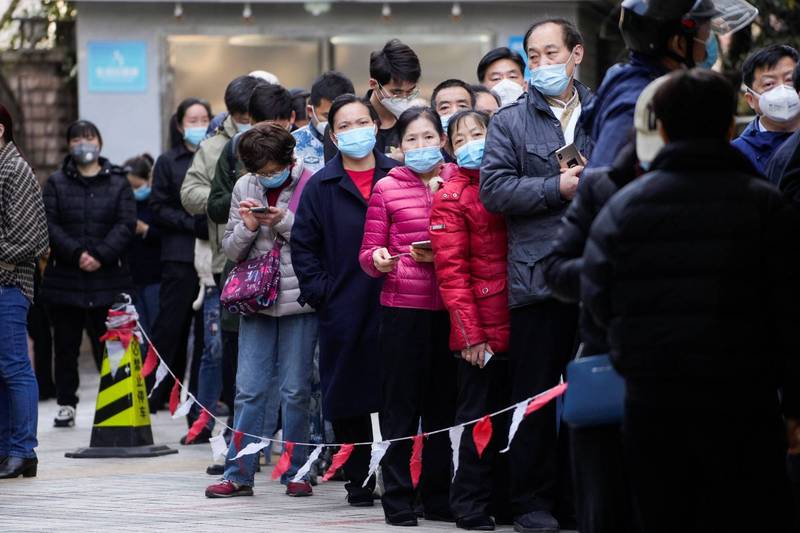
[{"x": 259, "y": 209}]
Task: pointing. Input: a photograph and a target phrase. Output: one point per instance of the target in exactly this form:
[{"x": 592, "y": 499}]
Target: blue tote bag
[{"x": 596, "y": 393}]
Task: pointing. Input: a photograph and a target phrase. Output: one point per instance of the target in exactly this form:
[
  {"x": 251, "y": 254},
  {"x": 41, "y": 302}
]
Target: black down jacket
[
  {"x": 95, "y": 215},
  {"x": 691, "y": 271}
]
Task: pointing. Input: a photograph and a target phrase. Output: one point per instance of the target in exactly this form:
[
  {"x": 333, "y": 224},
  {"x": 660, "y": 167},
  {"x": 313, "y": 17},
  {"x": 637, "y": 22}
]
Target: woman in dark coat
[
  {"x": 326, "y": 240},
  {"x": 91, "y": 216}
]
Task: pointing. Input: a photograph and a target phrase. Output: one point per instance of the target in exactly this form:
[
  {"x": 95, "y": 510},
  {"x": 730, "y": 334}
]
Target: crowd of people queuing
[{"x": 443, "y": 259}]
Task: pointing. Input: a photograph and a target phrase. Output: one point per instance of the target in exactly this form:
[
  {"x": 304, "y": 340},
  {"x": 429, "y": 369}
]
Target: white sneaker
[{"x": 65, "y": 417}]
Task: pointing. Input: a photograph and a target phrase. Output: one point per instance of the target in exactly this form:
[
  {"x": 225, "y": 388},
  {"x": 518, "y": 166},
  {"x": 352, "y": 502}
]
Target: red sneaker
[
  {"x": 302, "y": 488},
  {"x": 228, "y": 489}
]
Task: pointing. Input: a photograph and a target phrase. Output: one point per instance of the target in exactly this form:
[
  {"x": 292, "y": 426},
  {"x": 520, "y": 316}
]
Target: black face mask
[{"x": 84, "y": 153}]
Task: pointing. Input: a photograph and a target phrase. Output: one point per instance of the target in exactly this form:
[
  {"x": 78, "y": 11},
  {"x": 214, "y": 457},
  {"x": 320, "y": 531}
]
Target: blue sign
[
  {"x": 117, "y": 66},
  {"x": 516, "y": 43}
]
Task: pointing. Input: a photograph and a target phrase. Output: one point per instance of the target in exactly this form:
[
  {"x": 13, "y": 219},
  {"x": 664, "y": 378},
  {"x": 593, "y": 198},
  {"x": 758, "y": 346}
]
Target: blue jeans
[
  {"x": 209, "y": 381},
  {"x": 145, "y": 299},
  {"x": 264, "y": 341},
  {"x": 19, "y": 393}
]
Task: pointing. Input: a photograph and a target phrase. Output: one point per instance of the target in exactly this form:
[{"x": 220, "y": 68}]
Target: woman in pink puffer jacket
[{"x": 419, "y": 377}]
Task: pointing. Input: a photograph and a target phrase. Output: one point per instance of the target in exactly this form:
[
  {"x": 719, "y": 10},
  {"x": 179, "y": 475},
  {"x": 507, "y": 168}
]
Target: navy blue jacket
[
  {"x": 609, "y": 117},
  {"x": 781, "y": 161},
  {"x": 520, "y": 179},
  {"x": 145, "y": 252},
  {"x": 326, "y": 240},
  {"x": 758, "y": 146}
]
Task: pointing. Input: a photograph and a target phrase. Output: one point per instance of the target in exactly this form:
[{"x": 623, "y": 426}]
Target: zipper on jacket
[{"x": 463, "y": 329}]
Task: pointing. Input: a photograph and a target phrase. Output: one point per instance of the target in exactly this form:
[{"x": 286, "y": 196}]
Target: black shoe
[
  {"x": 536, "y": 522},
  {"x": 201, "y": 438},
  {"x": 404, "y": 519},
  {"x": 479, "y": 522},
  {"x": 215, "y": 470},
  {"x": 360, "y": 499},
  {"x": 18, "y": 466}
]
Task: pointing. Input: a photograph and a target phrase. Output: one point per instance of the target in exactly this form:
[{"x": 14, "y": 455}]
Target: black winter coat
[
  {"x": 690, "y": 270},
  {"x": 95, "y": 215},
  {"x": 562, "y": 268},
  {"x": 326, "y": 240},
  {"x": 145, "y": 251},
  {"x": 520, "y": 179},
  {"x": 178, "y": 228}
]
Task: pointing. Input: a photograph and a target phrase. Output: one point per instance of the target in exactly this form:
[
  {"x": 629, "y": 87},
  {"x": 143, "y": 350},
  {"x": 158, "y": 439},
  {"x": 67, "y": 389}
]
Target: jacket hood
[{"x": 703, "y": 156}]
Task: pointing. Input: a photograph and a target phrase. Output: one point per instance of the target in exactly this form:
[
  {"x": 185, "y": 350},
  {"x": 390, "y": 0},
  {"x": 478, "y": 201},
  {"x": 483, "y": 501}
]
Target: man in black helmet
[{"x": 661, "y": 35}]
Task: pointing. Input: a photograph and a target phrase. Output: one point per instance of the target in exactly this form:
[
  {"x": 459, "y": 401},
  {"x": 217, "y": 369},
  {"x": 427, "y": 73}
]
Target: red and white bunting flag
[
  {"x": 198, "y": 426},
  {"x": 415, "y": 464},
  {"x": 482, "y": 434},
  {"x": 161, "y": 373},
  {"x": 284, "y": 462},
  {"x": 218, "y": 447},
  {"x": 253, "y": 447},
  {"x": 174, "y": 396},
  {"x": 543, "y": 399},
  {"x": 306, "y": 468},
  {"x": 455, "y": 445},
  {"x": 376, "y": 455},
  {"x": 516, "y": 420},
  {"x": 150, "y": 362},
  {"x": 184, "y": 408},
  {"x": 338, "y": 460}
]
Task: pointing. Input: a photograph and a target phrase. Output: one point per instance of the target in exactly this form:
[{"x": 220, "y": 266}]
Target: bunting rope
[{"x": 522, "y": 408}]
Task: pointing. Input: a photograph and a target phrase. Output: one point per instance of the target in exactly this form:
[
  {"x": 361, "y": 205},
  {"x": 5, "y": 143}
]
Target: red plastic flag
[
  {"x": 122, "y": 335},
  {"x": 338, "y": 461},
  {"x": 174, "y": 397},
  {"x": 284, "y": 462},
  {"x": 482, "y": 434},
  {"x": 237, "y": 444},
  {"x": 545, "y": 398},
  {"x": 150, "y": 362},
  {"x": 416, "y": 459},
  {"x": 198, "y": 426}
]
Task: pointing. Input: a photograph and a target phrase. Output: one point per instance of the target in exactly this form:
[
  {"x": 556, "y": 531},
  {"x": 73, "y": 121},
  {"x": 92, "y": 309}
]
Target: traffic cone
[{"x": 122, "y": 416}]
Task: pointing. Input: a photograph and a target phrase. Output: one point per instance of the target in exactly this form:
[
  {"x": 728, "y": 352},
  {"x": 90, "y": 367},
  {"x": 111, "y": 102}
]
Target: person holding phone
[
  {"x": 419, "y": 377},
  {"x": 470, "y": 250}
]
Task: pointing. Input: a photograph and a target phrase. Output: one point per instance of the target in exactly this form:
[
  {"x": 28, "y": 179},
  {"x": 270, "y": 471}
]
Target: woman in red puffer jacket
[
  {"x": 470, "y": 261},
  {"x": 419, "y": 378}
]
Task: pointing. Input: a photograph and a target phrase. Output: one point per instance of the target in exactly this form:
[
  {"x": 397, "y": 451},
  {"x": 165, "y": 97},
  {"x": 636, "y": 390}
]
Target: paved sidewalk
[{"x": 161, "y": 493}]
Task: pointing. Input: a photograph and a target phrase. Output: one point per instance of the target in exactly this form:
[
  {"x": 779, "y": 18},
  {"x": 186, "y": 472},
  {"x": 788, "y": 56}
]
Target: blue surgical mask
[
  {"x": 423, "y": 159},
  {"x": 194, "y": 135},
  {"x": 243, "y": 127},
  {"x": 142, "y": 193},
  {"x": 551, "y": 80},
  {"x": 471, "y": 154},
  {"x": 274, "y": 181},
  {"x": 445, "y": 121},
  {"x": 356, "y": 143},
  {"x": 712, "y": 52}
]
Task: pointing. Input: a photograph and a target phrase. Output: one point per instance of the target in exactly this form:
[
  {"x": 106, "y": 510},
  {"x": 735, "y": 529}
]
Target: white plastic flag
[
  {"x": 455, "y": 443},
  {"x": 253, "y": 447},
  {"x": 116, "y": 351},
  {"x": 184, "y": 408},
  {"x": 313, "y": 456},
  {"x": 378, "y": 451},
  {"x": 218, "y": 446},
  {"x": 516, "y": 420},
  {"x": 161, "y": 372}
]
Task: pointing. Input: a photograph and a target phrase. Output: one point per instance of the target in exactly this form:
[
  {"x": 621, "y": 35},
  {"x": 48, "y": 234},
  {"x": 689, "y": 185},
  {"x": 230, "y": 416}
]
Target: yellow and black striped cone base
[{"x": 122, "y": 417}]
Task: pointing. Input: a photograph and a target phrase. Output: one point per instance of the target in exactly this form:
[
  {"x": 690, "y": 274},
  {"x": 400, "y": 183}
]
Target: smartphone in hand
[
  {"x": 259, "y": 210},
  {"x": 422, "y": 245},
  {"x": 569, "y": 156}
]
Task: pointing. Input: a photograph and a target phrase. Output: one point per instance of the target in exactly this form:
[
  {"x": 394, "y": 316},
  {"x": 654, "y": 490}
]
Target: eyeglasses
[{"x": 400, "y": 94}]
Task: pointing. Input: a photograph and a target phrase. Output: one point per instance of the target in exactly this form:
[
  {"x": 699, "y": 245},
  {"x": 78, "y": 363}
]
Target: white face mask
[
  {"x": 319, "y": 125},
  {"x": 508, "y": 91},
  {"x": 396, "y": 106},
  {"x": 780, "y": 104}
]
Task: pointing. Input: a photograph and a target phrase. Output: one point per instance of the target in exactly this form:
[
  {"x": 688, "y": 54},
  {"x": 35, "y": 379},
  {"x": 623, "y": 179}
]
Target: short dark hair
[
  {"x": 572, "y": 37},
  {"x": 458, "y": 118},
  {"x": 184, "y": 106},
  {"x": 689, "y": 94},
  {"x": 766, "y": 58},
  {"x": 329, "y": 86},
  {"x": 395, "y": 61},
  {"x": 497, "y": 54},
  {"x": 478, "y": 89},
  {"x": 270, "y": 102},
  {"x": 238, "y": 91},
  {"x": 447, "y": 84},
  {"x": 346, "y": 99},
  {"x": 266, "y": 143},
  {"x": 797, "y": 78},
  {"x": 83, "y": 128},
  {"x": 299, "y": 100},
  {"x": 410, "y": 115},
  {"x": 140, "y": 166}
]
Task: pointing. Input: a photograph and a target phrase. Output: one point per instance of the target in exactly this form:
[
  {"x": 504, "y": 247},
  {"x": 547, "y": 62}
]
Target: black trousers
[
  {"x": 42, "y": 337},
  {"x": 697, "y": 469},
  {"x": 419, "y": 383},
  {"x": 602, "y": 489},
  {"x": 480, "y": 487},
  {"x": 356, "y": 429},
  {"x": 170, "y": 335},
  {"x": 68, "y": 324},
  {"x": 542, "y": 343}
]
